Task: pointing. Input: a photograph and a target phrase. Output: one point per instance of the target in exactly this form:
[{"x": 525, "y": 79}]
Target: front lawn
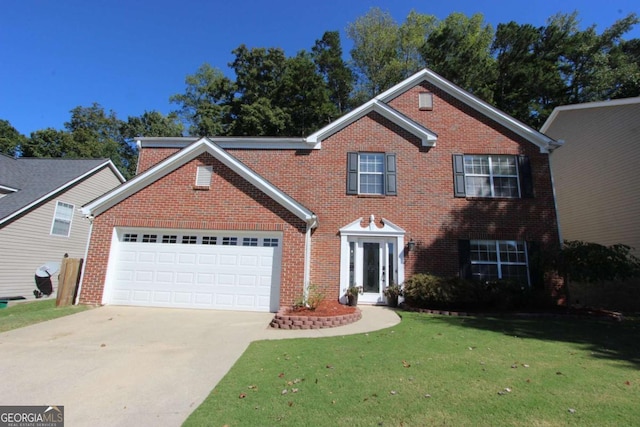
[
  {"x": 18, "y": 315},
  {"x": 438, "y": 370}
]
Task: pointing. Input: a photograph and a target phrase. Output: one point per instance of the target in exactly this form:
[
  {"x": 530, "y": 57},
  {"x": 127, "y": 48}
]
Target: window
[
  {"x": 498, "y": 259},
  {"x": 230, "y": 241},
  {"x": 149, "y": 238},
  {"x": 129, "y": 237},
  {"x": 169, "y": 238},
  {"x": 250, "y": 241},
  {"x": 62, "y": 219},
  {"x": 270, "y": 242},
  {"x": 492, "y": 176},
  {"x": 203, "y": 176},
  {"x": 209, "y": 240},
  {"x": 189, "y": 240},
  {"x": 371, "y": 174}
]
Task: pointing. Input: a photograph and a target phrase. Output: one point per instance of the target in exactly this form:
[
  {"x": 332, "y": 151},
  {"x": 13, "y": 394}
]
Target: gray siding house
[
  {"x": 40, "y": 219},
  {"x": 597, "y": 171}
]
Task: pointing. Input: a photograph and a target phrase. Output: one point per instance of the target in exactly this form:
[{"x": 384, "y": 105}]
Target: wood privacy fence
[{"x": 68, "y": 281}]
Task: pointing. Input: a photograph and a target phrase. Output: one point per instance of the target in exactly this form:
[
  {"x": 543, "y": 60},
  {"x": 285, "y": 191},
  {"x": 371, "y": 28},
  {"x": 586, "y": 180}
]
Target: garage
[{"x": 226, "y": 270}]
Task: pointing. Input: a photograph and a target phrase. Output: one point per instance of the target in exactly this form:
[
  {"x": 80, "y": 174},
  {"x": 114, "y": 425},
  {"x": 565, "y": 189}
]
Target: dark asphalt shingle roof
[{"x": 35, "y": 178}]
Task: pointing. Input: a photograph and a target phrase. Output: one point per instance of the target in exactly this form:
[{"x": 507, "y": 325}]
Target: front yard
[
  {"x": 21, "y": 314},
  {"x": 437, "y": 370}
]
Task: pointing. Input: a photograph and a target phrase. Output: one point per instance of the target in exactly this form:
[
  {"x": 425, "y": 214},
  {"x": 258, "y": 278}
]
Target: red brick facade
[{"x": 424, "y": 206}]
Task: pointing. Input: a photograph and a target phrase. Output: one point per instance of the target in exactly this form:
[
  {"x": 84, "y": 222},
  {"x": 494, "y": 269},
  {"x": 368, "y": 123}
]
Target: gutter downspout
[
  {"x": 553, "y": 187},
  {"x": 90, "y": 218},
  {"x": 311, "y": 224}
]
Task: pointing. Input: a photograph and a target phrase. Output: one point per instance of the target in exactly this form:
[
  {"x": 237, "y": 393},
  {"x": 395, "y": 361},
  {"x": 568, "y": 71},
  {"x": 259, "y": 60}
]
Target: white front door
[{"x": 374, "y": 267}]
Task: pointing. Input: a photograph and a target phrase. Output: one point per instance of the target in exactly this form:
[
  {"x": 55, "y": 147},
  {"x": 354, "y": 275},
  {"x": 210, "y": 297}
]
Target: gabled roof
[
  {"x": 427, "y": 136},
  {"x": 30, "y": 181},
  {"x": 202, "y": 145}
]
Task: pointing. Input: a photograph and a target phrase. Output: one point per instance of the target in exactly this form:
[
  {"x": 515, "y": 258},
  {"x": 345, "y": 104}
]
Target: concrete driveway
[{"x": 129, "y": 366}]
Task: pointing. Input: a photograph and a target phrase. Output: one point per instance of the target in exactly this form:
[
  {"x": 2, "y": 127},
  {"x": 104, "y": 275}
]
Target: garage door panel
[{"x": 196, "y": 275}]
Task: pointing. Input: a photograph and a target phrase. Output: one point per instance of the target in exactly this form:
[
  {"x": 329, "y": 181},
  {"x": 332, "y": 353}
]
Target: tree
[
  {"x": 152, "y": 123},
  {"x": 459, "y": 49},
  {"x": 338, "y": 78},
  {"x": 10, "y": 139},
  {"x": 50, "y": 143},
  {"x": 205, "y": 107}
]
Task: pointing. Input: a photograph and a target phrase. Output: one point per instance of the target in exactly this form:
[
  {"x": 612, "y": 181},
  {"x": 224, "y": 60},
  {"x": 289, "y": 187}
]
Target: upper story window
[
  {"x": 371, "y": 174},
  {"x": 496, "y": 176},
  {"x": 62, "y": 219}
]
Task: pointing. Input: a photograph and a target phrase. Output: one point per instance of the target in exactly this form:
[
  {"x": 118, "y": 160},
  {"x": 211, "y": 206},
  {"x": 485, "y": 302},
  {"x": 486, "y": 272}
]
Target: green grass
[
  {"x": 27, "y": 313},
  {"x": 437, "y": 370}
]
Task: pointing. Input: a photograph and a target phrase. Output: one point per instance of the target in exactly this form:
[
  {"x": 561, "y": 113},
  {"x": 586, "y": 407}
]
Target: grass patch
[
  {"x": 27, "y": 313},
  {"x": 437, "y": 370}
]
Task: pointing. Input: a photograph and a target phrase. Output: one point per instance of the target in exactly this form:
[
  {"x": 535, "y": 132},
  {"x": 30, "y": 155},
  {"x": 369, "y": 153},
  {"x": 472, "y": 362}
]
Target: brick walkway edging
[{"x": 282, "y": 320}]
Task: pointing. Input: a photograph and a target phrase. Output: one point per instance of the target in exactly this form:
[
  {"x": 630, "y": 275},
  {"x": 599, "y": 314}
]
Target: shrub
[{"x": 429, "y": 291}]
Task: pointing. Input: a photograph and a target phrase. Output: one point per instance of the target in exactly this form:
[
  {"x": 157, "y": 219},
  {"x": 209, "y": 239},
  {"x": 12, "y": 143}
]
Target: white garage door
[{"x": 182, "y": 268}]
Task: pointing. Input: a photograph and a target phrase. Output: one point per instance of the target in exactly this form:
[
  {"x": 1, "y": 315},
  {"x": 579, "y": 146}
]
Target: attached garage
[{"x": 228, "y": 270}]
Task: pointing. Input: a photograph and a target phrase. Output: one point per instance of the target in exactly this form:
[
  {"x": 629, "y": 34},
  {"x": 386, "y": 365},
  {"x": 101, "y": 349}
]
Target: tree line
[{"x": 522, "y": 69}]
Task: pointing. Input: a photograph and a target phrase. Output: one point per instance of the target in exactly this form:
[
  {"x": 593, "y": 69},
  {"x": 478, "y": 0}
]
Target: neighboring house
[
  {"x": 596, "y": 171},
  {"x": 39, "y": 214},
  {"x": 423, "y": 178}
]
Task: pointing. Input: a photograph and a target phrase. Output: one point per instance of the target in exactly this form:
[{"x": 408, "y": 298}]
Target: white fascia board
[
  {"x": 427, "y": 137},
  {"x": 256, "y": 143},
  {"x": 64, "y": 187},
  {"x": 173, "y": 162},
  {"x": 9, "y": 189},
  {"x": 532, "y": 135}
]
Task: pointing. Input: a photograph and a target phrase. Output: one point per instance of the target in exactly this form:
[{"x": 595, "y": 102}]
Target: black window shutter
[
  {"x": 390, "y": 178},
  {"x": 464, "y": 258},
  {"x": 536, "y": 268},
  {"x": 352, "y": 173},
  {"x": 526, "y": 181},
  {"x": 458, "y": 176}
]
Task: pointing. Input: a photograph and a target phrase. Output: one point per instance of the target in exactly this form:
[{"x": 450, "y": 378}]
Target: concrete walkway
[{"x": 131, "y": 366}]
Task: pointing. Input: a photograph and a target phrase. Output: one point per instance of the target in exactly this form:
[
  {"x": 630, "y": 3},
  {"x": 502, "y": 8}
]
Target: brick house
[{"x": 423, "y": 178}]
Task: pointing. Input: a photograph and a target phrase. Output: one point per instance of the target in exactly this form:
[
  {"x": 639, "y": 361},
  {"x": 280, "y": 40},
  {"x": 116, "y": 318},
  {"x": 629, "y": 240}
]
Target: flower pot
[
  {"x": 392, "y": 300},
  {"x": 352, "y": 300}
]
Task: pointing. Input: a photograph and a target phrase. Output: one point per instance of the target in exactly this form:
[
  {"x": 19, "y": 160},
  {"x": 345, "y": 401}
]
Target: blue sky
[{"x": 131, "y": 56}]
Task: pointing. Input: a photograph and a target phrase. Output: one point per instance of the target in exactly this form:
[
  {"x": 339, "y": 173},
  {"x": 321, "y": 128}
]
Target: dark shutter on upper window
[
  {"x": 352, "y": 173},
  {"x": 526, "y": 181},
  {"x": 458, "y": 176},
  {"x": 464, "y": 258},
  {"x": 390, "y": 172}
]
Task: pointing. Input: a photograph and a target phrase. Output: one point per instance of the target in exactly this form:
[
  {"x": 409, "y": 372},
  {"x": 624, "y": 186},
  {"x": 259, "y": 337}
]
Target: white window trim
[
  {"x": 499, "y": 263},
  {"x": 491, "y": 175},
  {"x": 382, "y": 173},
  {"x": 55, "y": 218}
]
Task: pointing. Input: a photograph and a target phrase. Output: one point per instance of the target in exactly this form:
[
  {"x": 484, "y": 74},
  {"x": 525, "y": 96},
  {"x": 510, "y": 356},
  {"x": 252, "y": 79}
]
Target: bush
[{"x": 429, "y": 291}]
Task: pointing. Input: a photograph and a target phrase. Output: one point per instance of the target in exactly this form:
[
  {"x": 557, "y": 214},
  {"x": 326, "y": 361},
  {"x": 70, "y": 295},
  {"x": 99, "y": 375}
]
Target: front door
[{"x": 374, "y": 267}]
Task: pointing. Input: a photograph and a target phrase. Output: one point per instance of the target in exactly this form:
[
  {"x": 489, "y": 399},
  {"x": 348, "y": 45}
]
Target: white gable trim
[
  {"x": 427, "y": 137},
  {"x": 170, "y": 164},
  {"x": 355, "y": 229},
  {"x": 240, "y": 142},
  {"x": 63, "y": 187},
  {"x": 532, "y": 135}
]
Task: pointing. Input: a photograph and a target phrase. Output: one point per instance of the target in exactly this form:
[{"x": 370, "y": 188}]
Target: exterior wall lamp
[{"x": 411, "y": 245}]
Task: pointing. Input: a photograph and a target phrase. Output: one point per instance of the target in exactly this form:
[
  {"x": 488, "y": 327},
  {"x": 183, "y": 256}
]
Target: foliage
[
  {"x": 392, "y": 291},
  {"x": 338, "y": 77},
  {"x": 354, "y": 290},
  {"x": 10, "y": 139},
  {"x": 592, "y": 262},
  {"x": 435, "y": 292},
  {"x": 437, "y": 370},
  {"x": 314, "y": 297}
]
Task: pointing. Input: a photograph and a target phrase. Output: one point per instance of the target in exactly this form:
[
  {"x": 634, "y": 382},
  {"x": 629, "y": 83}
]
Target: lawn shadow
[{"x": 604, "y": 339}]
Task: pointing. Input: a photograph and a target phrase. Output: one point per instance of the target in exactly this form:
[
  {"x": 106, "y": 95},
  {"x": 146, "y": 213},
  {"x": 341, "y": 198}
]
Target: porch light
[{"x": 411, "y": 245}]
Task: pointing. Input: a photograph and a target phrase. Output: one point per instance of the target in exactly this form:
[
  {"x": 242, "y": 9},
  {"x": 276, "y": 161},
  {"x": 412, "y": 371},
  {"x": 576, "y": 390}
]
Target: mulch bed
[{"x": 328, "y": 314}]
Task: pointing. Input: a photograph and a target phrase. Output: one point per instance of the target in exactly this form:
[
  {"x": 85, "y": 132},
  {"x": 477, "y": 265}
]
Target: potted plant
[
  {"x": 391, "y": 293},
  {"x": 352, "y": 295}
]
